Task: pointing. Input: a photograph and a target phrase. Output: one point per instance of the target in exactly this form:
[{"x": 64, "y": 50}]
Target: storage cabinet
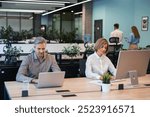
[{"x": 71, "y": 69}]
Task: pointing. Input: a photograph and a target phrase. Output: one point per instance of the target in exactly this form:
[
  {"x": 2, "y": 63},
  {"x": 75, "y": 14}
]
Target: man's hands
[{"x": 34, "y": 81}]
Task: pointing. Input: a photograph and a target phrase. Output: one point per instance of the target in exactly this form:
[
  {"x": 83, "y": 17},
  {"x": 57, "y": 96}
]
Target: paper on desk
[{"x": 97, "y": 82}]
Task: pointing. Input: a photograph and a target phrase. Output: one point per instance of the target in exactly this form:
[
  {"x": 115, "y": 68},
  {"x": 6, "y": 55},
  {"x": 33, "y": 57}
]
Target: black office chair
[
  {"x": 114, "y": 40},
  {"x": 113, "y": 54},
  {"x": 148, "y": 47}
]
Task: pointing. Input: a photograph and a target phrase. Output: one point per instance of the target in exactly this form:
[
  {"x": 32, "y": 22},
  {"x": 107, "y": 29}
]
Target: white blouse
[{"x": 96, "y": 66}]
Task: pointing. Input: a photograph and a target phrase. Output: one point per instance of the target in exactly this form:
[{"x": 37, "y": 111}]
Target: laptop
[{"x": 50, "y": 79}]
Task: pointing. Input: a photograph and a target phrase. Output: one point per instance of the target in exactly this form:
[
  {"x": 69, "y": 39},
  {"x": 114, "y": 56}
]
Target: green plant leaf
[{"x": 106, "y": 78}]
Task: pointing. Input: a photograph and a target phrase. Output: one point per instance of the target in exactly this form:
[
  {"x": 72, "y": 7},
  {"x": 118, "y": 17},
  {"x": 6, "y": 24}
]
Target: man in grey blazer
[{"x": 37, "y": 61}]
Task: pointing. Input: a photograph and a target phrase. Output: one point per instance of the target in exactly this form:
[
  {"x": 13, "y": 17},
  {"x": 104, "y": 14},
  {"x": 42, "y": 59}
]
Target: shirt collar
[
  {"x": 36, "y": 58},
  {"x": 98, "y": 57}
]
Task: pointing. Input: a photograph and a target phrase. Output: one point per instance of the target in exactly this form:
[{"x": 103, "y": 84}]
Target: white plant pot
[{"x": 106, "y": 87}]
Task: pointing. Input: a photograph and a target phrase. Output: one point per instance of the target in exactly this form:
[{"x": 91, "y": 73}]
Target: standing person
[
  {"x": 117, "y": 33},
  {"x": 134, "y": 38},
  {"x": 98, "y": 63},
  {"x": 38, "y": 61}
]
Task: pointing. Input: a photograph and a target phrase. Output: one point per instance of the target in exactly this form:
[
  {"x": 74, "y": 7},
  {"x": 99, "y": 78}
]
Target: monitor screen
[{"x": 132, "y": 60}]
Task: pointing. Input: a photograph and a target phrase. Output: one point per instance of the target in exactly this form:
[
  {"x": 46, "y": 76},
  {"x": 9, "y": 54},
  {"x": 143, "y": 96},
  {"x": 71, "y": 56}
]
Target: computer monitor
[{"x": 132, "y": 60}]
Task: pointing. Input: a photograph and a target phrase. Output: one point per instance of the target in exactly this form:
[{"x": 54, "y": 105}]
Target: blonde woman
[{"x": 98, "y": 63}]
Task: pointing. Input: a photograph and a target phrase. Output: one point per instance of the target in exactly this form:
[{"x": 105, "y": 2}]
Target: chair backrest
[
  {"x": 117, "y": 46},
  {"x": 114, "y": 40}
]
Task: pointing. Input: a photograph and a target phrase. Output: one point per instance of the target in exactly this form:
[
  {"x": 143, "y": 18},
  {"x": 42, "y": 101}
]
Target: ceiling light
[
  {"x": 30, "y": 18},
  {"x": 77, "y": 13},
  {"x": 43, "y": 3},
  {"x": 22, "y": 10},
  {"x": 66, "y": 7},
  {"x": 63, "y": 2}
]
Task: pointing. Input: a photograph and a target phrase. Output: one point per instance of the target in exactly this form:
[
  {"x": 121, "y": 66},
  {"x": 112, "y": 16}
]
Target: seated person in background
[
  {"x": 38, "y": 61},
  {"x": 98, "y": 63},
  {"x": 117, "y": 33}
]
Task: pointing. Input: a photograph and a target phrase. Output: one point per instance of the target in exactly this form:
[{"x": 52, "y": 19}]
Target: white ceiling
[{"x": 27, "y": 6}]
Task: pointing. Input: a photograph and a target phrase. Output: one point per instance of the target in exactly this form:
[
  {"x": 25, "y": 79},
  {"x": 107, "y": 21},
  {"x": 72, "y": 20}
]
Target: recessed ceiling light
[
  {"x": 32, "y": 2},
  {"x": 66, "y": 7},
  {"x": 22, "y": 10},
  {"x": 39, "y": 1},
  {"x": 77, "y": 13}
]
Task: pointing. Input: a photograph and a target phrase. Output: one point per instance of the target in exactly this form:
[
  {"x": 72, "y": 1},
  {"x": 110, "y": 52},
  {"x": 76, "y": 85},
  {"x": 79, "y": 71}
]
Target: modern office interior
[{"x": 63, "y": 23}]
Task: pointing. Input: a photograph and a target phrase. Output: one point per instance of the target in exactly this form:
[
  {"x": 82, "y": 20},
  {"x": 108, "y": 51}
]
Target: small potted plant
[{"x": 106, "y": 77}]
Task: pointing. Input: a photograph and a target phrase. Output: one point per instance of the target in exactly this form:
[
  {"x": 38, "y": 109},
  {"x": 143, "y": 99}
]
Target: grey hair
[{"x": 39, "y": 40}]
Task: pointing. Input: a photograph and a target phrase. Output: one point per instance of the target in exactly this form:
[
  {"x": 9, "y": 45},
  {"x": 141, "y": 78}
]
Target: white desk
[{"x": 83, "y": 88}]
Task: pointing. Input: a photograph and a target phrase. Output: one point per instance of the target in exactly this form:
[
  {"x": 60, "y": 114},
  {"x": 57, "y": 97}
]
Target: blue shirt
[{"x": 133, "y": 40}]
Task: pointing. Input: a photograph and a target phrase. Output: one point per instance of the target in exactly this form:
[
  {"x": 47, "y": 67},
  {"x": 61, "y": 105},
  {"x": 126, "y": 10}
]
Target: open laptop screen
[{"x": 50, "y": 79}]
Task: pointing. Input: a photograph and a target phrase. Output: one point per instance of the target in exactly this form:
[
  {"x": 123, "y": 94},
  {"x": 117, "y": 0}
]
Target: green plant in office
[
  {"x": 11, "y": 53},
  {"x": 105, "y": 87},
  {"x": 72, "y": 50},
  {"x": 106, "y": 77},
  {"x": 141, "y": 48},
  {"x": 89, "y": 47},
  {"x": 6, "y": 33},
  {"x": 67, "y": 37}
]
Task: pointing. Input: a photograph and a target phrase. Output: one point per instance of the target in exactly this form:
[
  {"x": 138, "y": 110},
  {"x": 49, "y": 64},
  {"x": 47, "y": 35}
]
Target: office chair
[
  {"x": 148, "y": 47},
  {"x": 114, "y": 40},
  {"x": 113, "y": 54}
]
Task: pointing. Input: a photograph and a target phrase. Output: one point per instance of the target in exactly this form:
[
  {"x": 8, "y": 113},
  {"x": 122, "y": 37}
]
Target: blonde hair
[
  {"x": 135, "y": 32},
  {"x": 100, "y": 43}
]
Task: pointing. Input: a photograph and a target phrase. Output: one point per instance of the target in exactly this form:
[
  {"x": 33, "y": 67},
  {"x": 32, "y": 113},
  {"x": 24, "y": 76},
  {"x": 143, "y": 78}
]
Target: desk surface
[{"x": 84, "y": 89}]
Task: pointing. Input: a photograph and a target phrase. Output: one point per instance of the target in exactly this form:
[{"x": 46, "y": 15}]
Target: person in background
[
  {"x": 117, "y": 33},
  {"x": 37, "y": 61},
  {"x": 98, "y": 63},
  {"x": 134, "y": 38}
]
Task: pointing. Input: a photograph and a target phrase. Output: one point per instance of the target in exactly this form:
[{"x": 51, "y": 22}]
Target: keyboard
[{"x": 117, "y": 80}]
